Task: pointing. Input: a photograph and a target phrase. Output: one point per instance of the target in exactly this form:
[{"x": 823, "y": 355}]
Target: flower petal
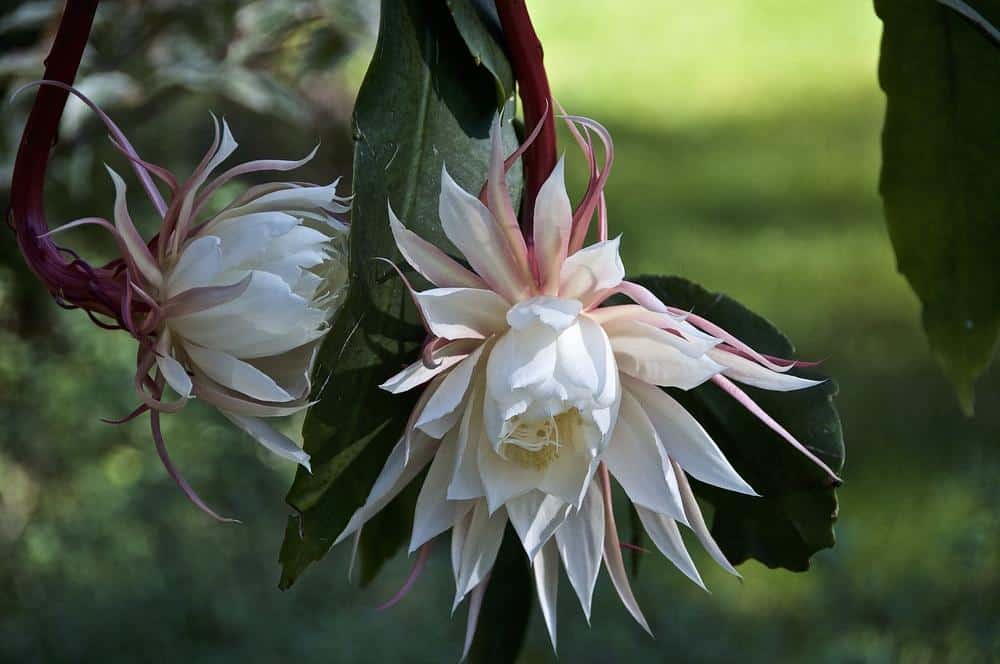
[
  {"x": 637, "y": 460},
  {"x": 580, "y": 540},
  {"x": 267, "y": 436},
  {"x": 685, "y": 440},
  {"x": 436, "y": 266},
  {"x": 419, "y": 373},
  {"x": 479, "y": 551},
  {"x": 749, "y": 372},
  {"x": 471, "y": 227},
  {"x": 236, "y": 374},
  {"x": 552, "y": 227},
  {"x": 466, "y": 482},
  {"x": 591, "y": 270},
  {"x": 434, "y": 513},
  {"x": 536, "y": 517},
  {"x": 650, "y": 355},
  {"x": 667, "y": 537},
  {"x": 438, "y": 415},
  {"x": 404, "y": 463},
  {"x": 138, "y": 251},
  {"x": 698, "y": 525},
  {"x": 462, "y": 313},
  {"x": 545, "y": 565},
  {"x": 613, "y": 558}
]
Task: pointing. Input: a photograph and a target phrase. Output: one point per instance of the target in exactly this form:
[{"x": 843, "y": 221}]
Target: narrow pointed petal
[
  {"x": 580, "y": 541},
  {"x": 685, "y": 440},
  {"x": 442, "y": 358},
  {"x": 399, "y": 470},
  {"x": 471, "y": 228},
  {"x": 667, "y": 537},
  {"x": 592, "y": 270},
  {"x": 139, "y": 253},
  {"x": 434, "y": 513},
  {"x": 613, "y": 557},
  {"x": 274, "y": 441},
  {"x": 236, "y": 374},
  {"x": 536, "y": 517},
  {"x": 479, "y": 552},
  {"x": 648, "y": 354},
  {"x": 436, "y": 266},
  {"x": 500, "y": 203},
  {"x": 697, "y": 521},
  {"x": 637, "y": 460},
  {"x": 472, "y": 621},
  {"x": 462, "y": 313},
  {"x": 175, "y": 375},
  {"x": 552, "y": 227},
  {"x": 439, "y": 414},
  {"x": 749, "y": 372},
  {"x": 545, "y": 566}
]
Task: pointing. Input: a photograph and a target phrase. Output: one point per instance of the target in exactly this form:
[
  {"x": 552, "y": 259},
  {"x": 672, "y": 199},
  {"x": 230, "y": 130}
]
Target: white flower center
[{"x": 535, "y": 443}]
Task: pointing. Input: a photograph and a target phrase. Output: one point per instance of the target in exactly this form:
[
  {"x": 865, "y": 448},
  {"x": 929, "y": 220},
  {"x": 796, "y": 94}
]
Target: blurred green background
[{"x": 747, "y": 137}]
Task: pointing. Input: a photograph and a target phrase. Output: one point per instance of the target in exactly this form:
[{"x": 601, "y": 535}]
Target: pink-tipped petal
[
  {"x": 613, "y": 560},
  {"x": 436, "y": 266},
  {"x": 418, "y": 567}
]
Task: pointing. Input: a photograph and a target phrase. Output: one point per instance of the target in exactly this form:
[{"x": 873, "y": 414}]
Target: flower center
[{"x": 535, "y": 443}]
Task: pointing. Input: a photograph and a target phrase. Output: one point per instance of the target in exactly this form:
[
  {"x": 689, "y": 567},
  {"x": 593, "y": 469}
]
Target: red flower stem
[
  {"x": 98, "y": 290},
  {"x": 525, "y": 52}
]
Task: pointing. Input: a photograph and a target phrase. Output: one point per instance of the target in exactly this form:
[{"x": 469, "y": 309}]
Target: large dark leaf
[
  {"x": 940, "y": 174},
  {"x": 479, "y": 26},
  {"x": 424, "y": 102},
  {"x": 794, "y": 517}
]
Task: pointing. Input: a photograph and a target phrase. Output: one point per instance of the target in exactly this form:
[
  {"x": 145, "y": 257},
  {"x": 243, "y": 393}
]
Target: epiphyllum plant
[
  {"x": 227, "y": 307},
  {"x": 535, "y": 395}
]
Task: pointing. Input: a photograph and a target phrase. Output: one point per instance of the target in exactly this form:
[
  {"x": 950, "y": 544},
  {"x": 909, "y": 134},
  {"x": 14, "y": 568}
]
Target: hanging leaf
[
  {"x": 424, "y": 102},
  {"x": 794, "y": 517},
  {"x": 940, "y": 71},
  {"x": 479, "y": 26}
]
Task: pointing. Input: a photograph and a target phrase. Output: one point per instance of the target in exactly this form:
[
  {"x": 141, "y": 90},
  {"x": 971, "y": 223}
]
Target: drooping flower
[
  {"x": 536, "y": 394},
  {"x": 228, "y": 307}
]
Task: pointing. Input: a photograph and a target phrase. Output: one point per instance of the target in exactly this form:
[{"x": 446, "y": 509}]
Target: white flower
[
  {"x": 229, "y": 307},
  {"x": 535, "y": 394}
]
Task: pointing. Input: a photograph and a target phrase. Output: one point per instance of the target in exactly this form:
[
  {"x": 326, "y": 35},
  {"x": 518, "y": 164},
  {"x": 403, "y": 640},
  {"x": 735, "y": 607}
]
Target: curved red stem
[
  {"x": 526, "y": 57},
  {"x": 98, "y": 290}
]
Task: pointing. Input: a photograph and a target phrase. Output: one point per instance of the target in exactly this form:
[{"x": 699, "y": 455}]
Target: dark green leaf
[
  {"x": 479, "y": 26},
  {"x": 940, "y": 171},
  {"x": 503, "y": 619},
  {"x": 418, "y": 108},
  {"x": 794, "y": 517}
]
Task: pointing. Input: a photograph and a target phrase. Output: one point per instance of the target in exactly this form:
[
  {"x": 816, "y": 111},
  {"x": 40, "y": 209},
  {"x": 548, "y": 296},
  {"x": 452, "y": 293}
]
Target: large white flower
[
  {"x": 228, "y": 307},
  {"x": 535, "y": 394}
]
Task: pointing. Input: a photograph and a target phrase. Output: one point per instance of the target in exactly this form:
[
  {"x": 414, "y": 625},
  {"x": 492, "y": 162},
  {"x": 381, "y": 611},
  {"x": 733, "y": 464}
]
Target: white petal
[
  {"x": 685, "y": 440},
  {"x": 471, "y": 227},
  {"x": 637, "y": 460},
  {"x": 439, "y": 414},
  {"x": 568, "y": 475},
  {"x": 399, "y": 470},
  {"x": 749, "y": 372},
  {"x": 173, "y": 371},
  {"x": 521, "y": 358},
  {"x": 291, "y": 199},
  {"x": 535, "y": 517},
  {"x": 462, "y": 313},
  {"x": 138, "y": 250},
  {"x": 434, "y": 513},
  {"x": 698, "y": 525},
  {"x": 436, "y": 266},
  {"x": 291, "y": 369},
  {"x": 266, "y": 435},
  {"x": 466, "y": 482},
  {"x": 198, "y": 265},
  {"x": 667, "y": 537},
  {"x": 552, "y": 226},
  {"x": 479, "y": 551},
  {"x": 616, "y": 565},
  {"x": 472, "y": 620},
  {"x": 418, "y": 373},
  {"x": 503, "y": 479},
  {"x": 236, "y": 374},
  {"x": 648, "y": 354},
  {"x": 592, "y": 270},
  {"x": 545, "y": 565},
  {"x": 580, "y": 540}
]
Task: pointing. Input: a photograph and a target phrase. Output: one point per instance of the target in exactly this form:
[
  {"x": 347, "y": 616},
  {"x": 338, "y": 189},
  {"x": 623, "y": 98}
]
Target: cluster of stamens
[{"x": 535, "y": 443}]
